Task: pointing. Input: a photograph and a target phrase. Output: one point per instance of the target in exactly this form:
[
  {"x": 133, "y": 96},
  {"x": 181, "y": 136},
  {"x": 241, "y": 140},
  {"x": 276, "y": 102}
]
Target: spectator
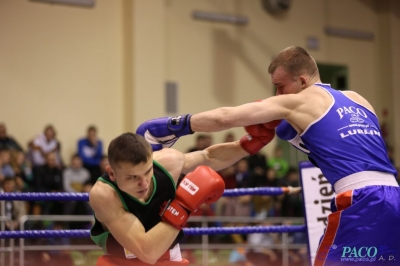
[
  {"x": 74, "y": 178},
  {"x": 202, "y": 142},
  {"x": 292, "y": 204},
  {"x": 5, "y": 167},
  {"x": 48, "y": 178},
  {"x": 240, "y": 206},
  {"x": 83, "y": 208},
  {"x": 42, "y": 145},
  {"x": 278, "y": 163},
  {"x": 242, "y": 173},
  {"x": 228, "y": 175},
  {"x": 258, "y": 163},
  {"x": 23, "y": 170},
  {"x": 263, "y": 255},
  {"x": 229, "y": 137},
  {"x": 264, "y": 205},
  {"x": 102, "y": 169},
  {"x": 90, "y": 150},
  {"x": 13, "y": 209},
  {"x": 6, "y": 141}
]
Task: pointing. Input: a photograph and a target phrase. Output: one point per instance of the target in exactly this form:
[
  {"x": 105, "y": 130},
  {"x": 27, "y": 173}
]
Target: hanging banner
[{"x": 317, "y": 196}]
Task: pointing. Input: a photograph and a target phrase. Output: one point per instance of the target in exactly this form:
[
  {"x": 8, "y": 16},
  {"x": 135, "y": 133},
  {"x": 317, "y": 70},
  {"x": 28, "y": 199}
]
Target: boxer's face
[
  {"x": 136, "y": 180},
  {"x": 286, "y": 83}
]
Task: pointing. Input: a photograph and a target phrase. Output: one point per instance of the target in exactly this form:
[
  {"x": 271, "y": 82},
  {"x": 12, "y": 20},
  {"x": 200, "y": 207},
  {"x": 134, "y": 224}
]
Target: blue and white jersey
[{"x": 347, "y": 139}]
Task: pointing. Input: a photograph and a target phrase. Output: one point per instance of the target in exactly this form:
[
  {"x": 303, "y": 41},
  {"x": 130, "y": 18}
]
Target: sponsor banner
[{"x": 317, "y": 196}]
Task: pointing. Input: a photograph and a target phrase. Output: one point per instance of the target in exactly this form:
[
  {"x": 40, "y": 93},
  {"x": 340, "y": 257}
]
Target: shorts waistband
[{"x": 363, "y": 179}]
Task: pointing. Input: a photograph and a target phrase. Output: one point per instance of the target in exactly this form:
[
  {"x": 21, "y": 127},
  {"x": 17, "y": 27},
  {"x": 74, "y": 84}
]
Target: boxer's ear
[
  {"x": 111, "y": 173},
  {"x": 303, "y": 82}
]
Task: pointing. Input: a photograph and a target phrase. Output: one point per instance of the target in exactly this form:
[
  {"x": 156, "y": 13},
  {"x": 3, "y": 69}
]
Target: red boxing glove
[
  {"x": 258, "y": 137},
  {"x": 203, "y": 185}
]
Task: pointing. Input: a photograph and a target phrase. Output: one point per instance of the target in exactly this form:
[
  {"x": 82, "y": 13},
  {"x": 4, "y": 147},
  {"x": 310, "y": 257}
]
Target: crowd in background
[
  {"x": 254, "y": 171},
  {"x": 39, "y": 167}
]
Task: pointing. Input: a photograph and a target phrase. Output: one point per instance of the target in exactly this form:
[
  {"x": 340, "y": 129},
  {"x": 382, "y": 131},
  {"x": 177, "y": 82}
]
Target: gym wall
[{"x": 108, "y": 65}]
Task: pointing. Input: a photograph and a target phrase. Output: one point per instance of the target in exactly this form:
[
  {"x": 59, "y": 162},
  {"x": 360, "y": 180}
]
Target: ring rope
[
  {"x": 188, "y": 231},
  {"x": 33, "y": 196}
]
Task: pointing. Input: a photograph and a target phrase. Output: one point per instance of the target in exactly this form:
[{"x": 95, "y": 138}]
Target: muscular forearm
[
  {"x": 212, "y": 121},
  {"x": 223, "y": 155},
  {"x": 242, "y": 115},
  {"x": 157, "y": 241}
]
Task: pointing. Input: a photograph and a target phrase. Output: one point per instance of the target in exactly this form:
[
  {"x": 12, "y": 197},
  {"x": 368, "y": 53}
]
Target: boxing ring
[{"x": 204, "y": 231}]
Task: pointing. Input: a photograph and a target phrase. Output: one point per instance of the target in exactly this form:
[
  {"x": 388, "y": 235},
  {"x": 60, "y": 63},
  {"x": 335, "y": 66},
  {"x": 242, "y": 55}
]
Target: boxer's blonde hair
[{"x": 296, "y": 61}]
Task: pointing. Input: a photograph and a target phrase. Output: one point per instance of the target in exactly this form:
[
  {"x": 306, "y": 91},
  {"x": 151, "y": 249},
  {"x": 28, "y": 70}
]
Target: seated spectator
[
  {"x": 6, "y": 141},
  {"x": 103, "y": 163},
  {"x": 291, "y": 204},
  {"x": 74, "y": 178},
  {"x": 48, "y": 178},
  {"x": 42, "y": 145},
  {"x": 264, "y": 255},
  {"x": 269, "y": 179},
  {"x": 258, "y": 164},
  {"x": 13, "y": 209},
  {"x": 278, "y": 163},
  {"x": 264, "y": 205},
  {"x": 203, "y": 141},
  {"x": 242, "y": 173},
  {"x": 229, "y": 137},
  {"x": 5, "y": 164},
  {"x": 23, "y": 170},
  {"x": 90, "y": 150},
  {"x": 228, "y": 175},
  {"x": 83, "y": 208},
  {"x": 240, "y": 206}
]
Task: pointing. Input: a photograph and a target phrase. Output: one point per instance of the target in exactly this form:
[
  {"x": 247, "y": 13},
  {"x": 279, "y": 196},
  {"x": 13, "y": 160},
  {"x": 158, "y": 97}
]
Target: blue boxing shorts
[{"x": 363, "y": 228}]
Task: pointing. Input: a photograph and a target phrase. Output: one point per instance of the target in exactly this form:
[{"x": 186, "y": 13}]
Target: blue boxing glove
[
  {"x": 164, "y": 132},
  {"x": 286, "y": 132}
]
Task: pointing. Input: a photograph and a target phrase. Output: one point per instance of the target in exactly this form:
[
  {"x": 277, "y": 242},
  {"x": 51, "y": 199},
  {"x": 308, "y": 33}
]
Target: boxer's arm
[
  {"x": 272, "y": 108},
  {"x": 127, "y": 229},
  {"x": 217, "y": 156}
]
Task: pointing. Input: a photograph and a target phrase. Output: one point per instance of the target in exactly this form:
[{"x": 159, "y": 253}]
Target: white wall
[
  {"x": 61, "y": 65},
  {"x": 108, "y": 65}
]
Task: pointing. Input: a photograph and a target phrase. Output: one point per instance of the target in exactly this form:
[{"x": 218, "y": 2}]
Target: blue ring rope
[
  {"x": 33, "y": 196},
  {"x": 188, "y": 231}
]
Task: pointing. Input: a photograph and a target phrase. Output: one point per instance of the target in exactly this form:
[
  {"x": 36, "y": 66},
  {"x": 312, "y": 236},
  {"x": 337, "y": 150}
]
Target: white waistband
[{"x": 363, "y": 179}]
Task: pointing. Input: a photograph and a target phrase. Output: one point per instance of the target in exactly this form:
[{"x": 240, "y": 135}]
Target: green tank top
[{"x": 146, "y": 212}]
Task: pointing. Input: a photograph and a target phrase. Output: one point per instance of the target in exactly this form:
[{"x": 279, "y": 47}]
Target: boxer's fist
[
  {"x": 203, "y": 185},
  {"x": 164, "y": 132},
  {"x": 258, "y": 137}
]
